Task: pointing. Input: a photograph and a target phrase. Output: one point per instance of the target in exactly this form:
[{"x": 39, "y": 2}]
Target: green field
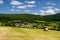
[{"x": 13, "y": 33}]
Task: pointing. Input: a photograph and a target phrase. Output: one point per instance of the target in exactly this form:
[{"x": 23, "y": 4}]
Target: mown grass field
[{"x": 13, "y": 33}]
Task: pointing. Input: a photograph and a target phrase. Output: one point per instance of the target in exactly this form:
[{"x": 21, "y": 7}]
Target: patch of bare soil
[{"x": 4, "y": 36}]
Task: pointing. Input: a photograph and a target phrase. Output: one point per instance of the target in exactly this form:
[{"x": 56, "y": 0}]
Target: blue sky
[{"x": 37, "y": 7}]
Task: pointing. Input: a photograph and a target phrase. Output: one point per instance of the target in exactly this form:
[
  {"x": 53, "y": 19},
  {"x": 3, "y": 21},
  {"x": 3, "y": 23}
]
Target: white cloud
[
  {"x": 42, "y": 12},
  {"x": 56, "y": 9},
  {"x": 12, "y": 9},
  {"x": 47, "y": 12},
  {"x": 22, "y": 7},
  {"x": 50, "y": 3},
  {"x": 50, "y": 11},
  {"x": 1, "y": 1},
  {"x": 30, "y": 2},
  {"x": 16, "y": 3},
  {"x": 30, "y": 5},
  {"x": 26, "y": 6},
  {"x": 53, "y": 4}
]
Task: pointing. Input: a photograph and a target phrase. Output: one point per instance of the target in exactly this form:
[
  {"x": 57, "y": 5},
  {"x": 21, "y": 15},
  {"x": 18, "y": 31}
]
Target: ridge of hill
[{"x": 31, "y": 17}]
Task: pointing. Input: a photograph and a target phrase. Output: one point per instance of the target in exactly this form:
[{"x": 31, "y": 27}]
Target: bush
[
  {"x": 58, "y": 27},
  {"x": 52, "y": 26},
  {"x": 39, "y": 26},
  {"x": 34, "y": 25}
]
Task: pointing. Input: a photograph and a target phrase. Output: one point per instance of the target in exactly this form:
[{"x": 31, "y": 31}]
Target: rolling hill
[
  {"x": 13, "y": 33},
  {"x": 31, "y": 17}
]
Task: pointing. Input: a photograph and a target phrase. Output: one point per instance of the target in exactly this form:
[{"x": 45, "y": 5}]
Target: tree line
[{"x": 38, "y": 21}]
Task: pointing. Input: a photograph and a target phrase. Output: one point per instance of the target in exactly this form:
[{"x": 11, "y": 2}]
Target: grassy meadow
[{"x": 13, "y": 33}]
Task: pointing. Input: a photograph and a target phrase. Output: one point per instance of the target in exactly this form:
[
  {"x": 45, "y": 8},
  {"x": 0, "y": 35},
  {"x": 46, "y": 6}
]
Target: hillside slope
[
  {"x": 55, "y": 17},
  {"x": 13, "y": 33},
  {"x": 30, "y": 17},
  {"x": 23, "y": 17}
]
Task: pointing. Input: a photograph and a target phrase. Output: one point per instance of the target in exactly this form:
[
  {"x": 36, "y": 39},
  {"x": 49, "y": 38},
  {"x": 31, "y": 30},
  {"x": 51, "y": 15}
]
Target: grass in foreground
[{"x": 13, "y": 33}]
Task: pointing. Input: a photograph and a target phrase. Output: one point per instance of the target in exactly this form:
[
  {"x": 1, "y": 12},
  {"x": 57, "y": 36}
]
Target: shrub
[{"x": 40, "y": 26}]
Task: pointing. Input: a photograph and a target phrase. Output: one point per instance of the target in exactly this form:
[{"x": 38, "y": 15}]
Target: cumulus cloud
[
  {"x": 50, "y": 3},
  {"x": 53, "y": 4},
  {"x": 47, "y": 12},
  {"x": 30, "y": 2},
  {"x": 1, "y": 1},
  {"x": 56, "y": 9},
  {"x": 16, "y": 2},
  {"x": 50, "y": 11},
  {"x": 42, "y": 12},
  {"x": 12, "y": 9},
  {"x": 20, "y": 4},
  {"x": 30, "y": 5},
  {"x": 23, "y": 7},
  {"x": 26, "y": 6}
]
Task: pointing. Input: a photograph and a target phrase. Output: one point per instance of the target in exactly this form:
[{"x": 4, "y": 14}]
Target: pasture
[{"x": 14, "y": 33}]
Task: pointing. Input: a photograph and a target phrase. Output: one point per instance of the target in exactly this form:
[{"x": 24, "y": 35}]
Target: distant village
[{"x": 20, "y": 24}]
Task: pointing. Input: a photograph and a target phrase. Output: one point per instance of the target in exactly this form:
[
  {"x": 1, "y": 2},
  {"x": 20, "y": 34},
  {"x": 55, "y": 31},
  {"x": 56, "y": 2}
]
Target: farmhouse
[{"x": 26, "y": 25}]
